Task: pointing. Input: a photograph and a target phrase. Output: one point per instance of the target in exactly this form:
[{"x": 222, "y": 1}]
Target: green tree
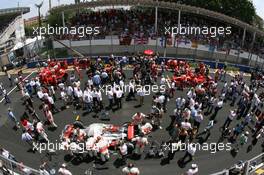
[{"x": 243, "y": 10}]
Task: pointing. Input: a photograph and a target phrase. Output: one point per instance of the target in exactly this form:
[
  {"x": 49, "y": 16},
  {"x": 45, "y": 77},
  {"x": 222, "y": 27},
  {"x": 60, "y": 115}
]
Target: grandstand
[
  {"x": 10, "y": 22},
  {"x": 127, "y": 32},
  {"x": 11, "y": 30},
  {"x": 136, "y": 26}
]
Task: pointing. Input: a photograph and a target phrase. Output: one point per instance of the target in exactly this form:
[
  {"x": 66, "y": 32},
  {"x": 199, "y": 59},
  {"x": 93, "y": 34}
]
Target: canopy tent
[{"x": 28, "y": 42}]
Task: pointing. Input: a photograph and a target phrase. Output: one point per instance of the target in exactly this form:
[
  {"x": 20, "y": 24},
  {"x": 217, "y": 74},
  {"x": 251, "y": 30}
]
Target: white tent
[{"x": 30, "y": 41}]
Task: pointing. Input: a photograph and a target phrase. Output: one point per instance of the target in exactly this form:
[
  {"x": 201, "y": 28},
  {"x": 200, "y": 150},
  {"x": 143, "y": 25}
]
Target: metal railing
[
  {"x": 15, "y": 168},
  {"x": 250, "y": 166},
  {"x": 253, "y": 164}
]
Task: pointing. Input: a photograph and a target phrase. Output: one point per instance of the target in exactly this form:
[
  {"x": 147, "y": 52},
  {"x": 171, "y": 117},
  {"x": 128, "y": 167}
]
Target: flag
[
  {"x": 141, "y": 40},
  {"x": 183, "y": 41}
]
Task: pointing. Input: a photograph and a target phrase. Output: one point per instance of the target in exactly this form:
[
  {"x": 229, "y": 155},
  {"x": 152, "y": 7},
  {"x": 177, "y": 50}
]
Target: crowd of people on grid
[{"x": 244, "y": 99}]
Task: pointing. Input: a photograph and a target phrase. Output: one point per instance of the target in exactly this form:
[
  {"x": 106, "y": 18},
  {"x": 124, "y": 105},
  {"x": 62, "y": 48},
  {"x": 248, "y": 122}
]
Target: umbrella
[{"x": 148, "y": 52}]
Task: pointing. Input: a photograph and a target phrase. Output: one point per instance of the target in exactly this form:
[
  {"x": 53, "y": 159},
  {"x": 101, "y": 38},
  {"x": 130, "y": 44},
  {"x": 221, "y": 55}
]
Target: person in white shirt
[
  {"x": 26, "y": 137},
  {"x": 33, "y": 85},
  {"x": 63, "y": 170},
  {"x": 256, "y": 102},
  {"x": 64, "y": 98},
  {"x": 61, "y": 85},
  {"x": 87, "y": 100},
  {"x": 99, "y": 98},
  {"x": 193, "y": 170},
  {"x": 218, "y": 105},
  {"x": 123, "y": 151},
  {"x": 110, "y": 96},
  {"x": 104, "y": 76},
  {"x": 53, "y": 93},
  {"x": 42, "y": 170},
  {"x": 41, "y": 131},
  {"x": 172, "y": 89},
  {"x": 141, "y": 142},
  {"x": 70, "y": 93},
  {"x": 186, "y": 125},
  {"x": 4, "y": 153},
  {"x": 141, "y": 94},
  {"x": 230, "y": 118},
  {"x": 40, "y": 94},
  {"x": 191, "y": 103},
  {"x": 180, "y": 103},
  {"x": 190, "y": 152},
  {"x": 49, "y": 117},
  {"x": 90, "y": 82},
  {"x": 102, "y": 146},
  {"x": 162, "y": 80},
  {"x": 146, "y": 128},
  {"x": 198, "y": 119},
  {"x": 54, "y": 109},
  {"x": 130, "y": 170},
  {"x": 161, "y": 99},
  {"x": 191, "y": 93},
  {"x": 131, "y": 90},
  {"x": 119, "y": 94},
  {"x": 79, "y": 96},
  {"x": 138, "y": 118}
]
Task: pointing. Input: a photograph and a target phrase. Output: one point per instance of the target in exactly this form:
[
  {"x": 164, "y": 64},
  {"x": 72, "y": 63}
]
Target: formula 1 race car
[{"x": 112, "y": 134}]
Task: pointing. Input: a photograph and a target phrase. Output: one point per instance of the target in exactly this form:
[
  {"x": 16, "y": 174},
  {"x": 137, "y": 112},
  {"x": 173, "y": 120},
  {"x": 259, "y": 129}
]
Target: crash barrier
[
  {"x": 183, "y": 49},
  {"x": 212, "y": 64},
  {"x": 254, "y": 164},
  {"x": 15, "y": 168},
  {"x": 224, "y": 172},
  {"x": 250, "y": 166}
]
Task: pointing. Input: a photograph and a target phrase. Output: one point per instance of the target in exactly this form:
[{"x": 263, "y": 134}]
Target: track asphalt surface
[{"x": 208, "y": 162}]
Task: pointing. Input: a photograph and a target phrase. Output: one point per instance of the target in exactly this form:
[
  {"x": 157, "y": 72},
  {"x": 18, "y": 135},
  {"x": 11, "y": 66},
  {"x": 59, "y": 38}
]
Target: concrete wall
[{"x": 104, "y": 47}]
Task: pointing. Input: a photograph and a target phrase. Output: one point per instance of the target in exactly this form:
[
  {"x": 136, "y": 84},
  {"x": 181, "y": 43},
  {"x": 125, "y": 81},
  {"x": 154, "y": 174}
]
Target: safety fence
[
  {"x": 11, "y": 167},
  {"x": 249, "y": 167}
]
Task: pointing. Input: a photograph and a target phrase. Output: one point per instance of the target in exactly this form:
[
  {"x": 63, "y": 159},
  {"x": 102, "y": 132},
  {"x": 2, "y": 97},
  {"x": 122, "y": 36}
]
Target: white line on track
[{"x": 16, "y": 86}]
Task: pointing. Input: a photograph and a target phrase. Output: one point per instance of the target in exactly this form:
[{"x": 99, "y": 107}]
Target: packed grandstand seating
[{"x": 131, "y": 23}]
